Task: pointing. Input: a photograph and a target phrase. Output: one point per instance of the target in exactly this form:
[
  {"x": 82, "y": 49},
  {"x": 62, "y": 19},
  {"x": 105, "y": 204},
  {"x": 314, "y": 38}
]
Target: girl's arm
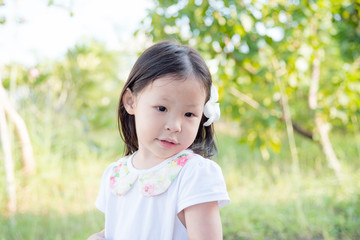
[
  {"x": 203, "y": 221},
  {"x": 98, "y": 236}
]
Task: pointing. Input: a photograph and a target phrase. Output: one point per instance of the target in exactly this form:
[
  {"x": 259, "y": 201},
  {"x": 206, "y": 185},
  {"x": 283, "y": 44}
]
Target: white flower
[
  {"x": 34, "y": 73},
  {"x": 212, "y": 108}
]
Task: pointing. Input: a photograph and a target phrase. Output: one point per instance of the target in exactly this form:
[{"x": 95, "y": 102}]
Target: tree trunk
[
  {"x": 8, "y": 162},
  {"x": 286, "y": 115},
  {"x": 321, "y": 126},
  {"x": 327, "y": 146},
  {"x": 22, "y": 133}
]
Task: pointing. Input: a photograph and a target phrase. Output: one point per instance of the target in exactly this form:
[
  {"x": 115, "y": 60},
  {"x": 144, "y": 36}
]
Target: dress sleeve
[
  {"x": 202, "y": 181},
  {"x": 104, "y": 190}
]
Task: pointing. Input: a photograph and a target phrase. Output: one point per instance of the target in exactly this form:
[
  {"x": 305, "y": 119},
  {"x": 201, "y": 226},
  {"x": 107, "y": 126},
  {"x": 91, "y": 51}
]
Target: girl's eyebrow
[
  {"x": 166, "y": 99},
  {"x": 169, "y": 100},
  {"x": 193, "y": 105},
  {"x": 163, "y": 98}
]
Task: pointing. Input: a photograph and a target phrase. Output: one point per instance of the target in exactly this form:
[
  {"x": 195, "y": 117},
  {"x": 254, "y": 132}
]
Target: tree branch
[
  {"x": 254, "y": 104},
  {"x": 22, "y": 133},
  {"x": 8, "y": 161}
]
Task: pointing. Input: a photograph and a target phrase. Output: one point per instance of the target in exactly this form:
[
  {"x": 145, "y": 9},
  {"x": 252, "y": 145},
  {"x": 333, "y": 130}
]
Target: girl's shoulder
[
  {"x": 197, "y": 164},
  {"x": 198, "y": 161},
  {"x": 201, "y": 180}
]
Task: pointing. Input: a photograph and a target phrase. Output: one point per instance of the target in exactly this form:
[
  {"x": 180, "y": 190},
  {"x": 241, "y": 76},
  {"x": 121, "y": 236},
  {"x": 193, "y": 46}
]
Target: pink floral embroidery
[
  {"x": 149, "y": 189},
  {"x": 116, "y": 169},
  {"x": 182, "y": 160},
  {"x": 112, "y": 182},
  {"x": 155, "y": 183}
]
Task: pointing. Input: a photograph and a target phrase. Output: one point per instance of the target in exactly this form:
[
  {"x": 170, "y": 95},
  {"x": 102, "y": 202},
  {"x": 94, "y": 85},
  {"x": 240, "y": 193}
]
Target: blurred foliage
[
  {"x": 2, "y": 18},
  {"x": 251, "y": 44},
  {"x": 78, "y": 93}
]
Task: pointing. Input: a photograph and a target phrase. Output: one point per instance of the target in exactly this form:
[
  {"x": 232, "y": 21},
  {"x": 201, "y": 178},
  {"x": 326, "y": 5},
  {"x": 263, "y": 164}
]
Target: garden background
[{"x": 289, "y": 137}]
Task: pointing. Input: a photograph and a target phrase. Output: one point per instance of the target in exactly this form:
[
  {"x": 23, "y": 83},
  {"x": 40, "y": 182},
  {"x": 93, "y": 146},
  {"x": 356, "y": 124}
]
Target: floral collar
[{"x": 152, "y": 182}]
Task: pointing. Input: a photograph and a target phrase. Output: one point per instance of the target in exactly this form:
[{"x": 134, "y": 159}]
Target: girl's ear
[{"x": 129, "y": 101}]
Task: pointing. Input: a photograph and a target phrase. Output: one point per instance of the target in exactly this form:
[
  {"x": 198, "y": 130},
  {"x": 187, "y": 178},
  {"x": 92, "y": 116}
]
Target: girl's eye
[
  {"x": 189, "y": 114},
  {"x": 161, "y": 108}
]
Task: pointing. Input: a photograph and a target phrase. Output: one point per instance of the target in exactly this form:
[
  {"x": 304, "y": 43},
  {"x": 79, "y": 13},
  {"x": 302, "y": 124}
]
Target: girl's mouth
[{"x": 167, "y": 143}]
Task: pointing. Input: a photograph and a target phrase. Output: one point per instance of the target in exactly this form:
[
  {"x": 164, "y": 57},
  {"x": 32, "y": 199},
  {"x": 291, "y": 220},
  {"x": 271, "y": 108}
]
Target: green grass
[
  {"x": 268, "y": 199},
  {"x": 271, "y": 201}
]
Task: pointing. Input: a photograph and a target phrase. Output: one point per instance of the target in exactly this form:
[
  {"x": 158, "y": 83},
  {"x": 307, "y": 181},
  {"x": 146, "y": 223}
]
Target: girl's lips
[{"x": 167, "y": 143}]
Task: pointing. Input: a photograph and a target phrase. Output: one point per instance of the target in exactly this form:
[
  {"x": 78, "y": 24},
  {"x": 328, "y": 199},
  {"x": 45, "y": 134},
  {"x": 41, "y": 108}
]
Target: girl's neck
[{"x": 140, "y": 161}]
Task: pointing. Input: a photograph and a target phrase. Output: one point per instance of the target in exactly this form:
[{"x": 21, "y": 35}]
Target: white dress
[{"x": 143, "y": 204}]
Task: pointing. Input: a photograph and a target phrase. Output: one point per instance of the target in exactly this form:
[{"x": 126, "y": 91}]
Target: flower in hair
[{"x": 212, "y": 107}]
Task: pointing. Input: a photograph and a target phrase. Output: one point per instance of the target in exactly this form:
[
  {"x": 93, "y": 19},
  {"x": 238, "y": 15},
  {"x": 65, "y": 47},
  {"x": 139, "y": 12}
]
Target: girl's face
[{"x": 167, "y": 116}]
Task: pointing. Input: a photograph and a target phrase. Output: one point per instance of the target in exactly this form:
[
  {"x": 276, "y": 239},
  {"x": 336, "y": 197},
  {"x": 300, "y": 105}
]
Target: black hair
[{"x": 166, "y": 59}]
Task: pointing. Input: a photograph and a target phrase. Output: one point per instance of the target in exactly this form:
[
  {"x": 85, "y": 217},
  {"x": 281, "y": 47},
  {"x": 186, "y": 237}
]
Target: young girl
[{"x": 165, "y": 187}]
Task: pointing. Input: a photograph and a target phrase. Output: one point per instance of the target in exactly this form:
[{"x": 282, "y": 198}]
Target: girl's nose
[{"x": 173, "y": 124}]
